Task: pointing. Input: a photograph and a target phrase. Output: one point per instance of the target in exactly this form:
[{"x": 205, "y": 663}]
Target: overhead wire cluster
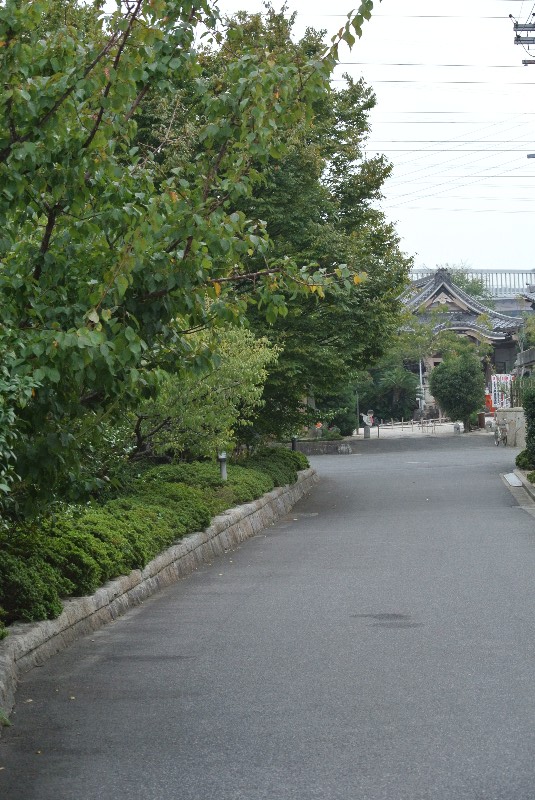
[
  {"x": 444, "y": 165},
  {"x": 455, "y": 108}
]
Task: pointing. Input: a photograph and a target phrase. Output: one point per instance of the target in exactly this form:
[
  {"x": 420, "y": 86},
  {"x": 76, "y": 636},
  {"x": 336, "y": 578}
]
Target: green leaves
[
  {"x": 196, "y": 412},
  {"x": 458, "y": 385},
  {"x": 354, "y": 23},
  {"x": 126, "y": 157}
]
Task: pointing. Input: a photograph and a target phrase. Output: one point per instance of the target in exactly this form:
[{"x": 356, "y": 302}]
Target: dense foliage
[
  {"x": 524, "y": 461},
  {"x": 196, "y": 413},
  {"x": 319, "y": 205},
  {"x": 529, "y": 411},
  {"x": 110, "y": 252},
  {"x": 458, "y": 385}
]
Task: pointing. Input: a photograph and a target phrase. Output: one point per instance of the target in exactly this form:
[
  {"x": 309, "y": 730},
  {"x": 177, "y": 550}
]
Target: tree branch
[
  {"x": 45, "y": 242},
  {"x": 116, "y": 60},
  {"x": 4, "y": 154},
  {"x": 136, "y": 102},
  {"x": 213, "y": 172}
]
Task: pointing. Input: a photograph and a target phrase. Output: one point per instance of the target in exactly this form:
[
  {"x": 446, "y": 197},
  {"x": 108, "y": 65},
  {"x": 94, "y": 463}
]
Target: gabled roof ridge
[
  {"x": 432, "y": 286},
  {"x": 470, "y": 300}
]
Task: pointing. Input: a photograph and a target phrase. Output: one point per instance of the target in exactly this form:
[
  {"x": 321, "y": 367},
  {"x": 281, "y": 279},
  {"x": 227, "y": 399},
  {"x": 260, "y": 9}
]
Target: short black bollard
[{"x": 294, "y": 442}]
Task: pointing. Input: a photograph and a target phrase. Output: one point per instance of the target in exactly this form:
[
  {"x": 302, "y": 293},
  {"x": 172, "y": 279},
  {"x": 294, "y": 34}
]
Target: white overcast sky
[{"x": 455, "y": 115}]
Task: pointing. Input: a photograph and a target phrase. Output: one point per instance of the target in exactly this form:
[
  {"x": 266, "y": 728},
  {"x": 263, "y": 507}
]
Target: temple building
[{"x": 436, "y": 298}]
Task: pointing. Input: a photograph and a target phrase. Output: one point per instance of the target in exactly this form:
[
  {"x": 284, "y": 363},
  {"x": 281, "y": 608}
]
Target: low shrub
[
  {"x": 80, "y": 548},
  {"x": 3, "y": 630},
  {"x": 524, "y": 461},
  {"x": 75, "y": 558},
  {"x": 531, "y": 477},
  {"x": 281, "y": 464},
  {"x": 30, "y": 588},
  {"x": 151, "y": 528},
  {"x": 248, "y": 483},
  {"x": 199, "y": 474},
  {"x": 187, "y": 502},
  {"x": 242, "y": 485},
  {"x": 331, "y": 434},
  {"x": 299, "y": 459},
  {"x": 528, "y": 403}
]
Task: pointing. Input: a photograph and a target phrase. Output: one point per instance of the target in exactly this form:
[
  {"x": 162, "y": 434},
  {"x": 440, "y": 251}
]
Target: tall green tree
[
  {"x": 318, "y": 202},
  {"x": 101, "y": 246},
  {"x": 196, "y": 414},
  {"x": 458, "y": 385}
]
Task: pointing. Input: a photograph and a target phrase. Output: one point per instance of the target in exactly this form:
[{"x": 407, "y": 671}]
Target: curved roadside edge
[
  {"x": 522, "y": 476},
  {"x": 31, "y": 644}
]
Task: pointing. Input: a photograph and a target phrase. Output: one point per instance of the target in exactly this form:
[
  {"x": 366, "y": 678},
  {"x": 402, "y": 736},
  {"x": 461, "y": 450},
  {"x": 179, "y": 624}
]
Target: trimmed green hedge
[
  {"x": 529, "y": 410},
  {"x": 278, "y": 462},
  {"x": 523, "y": 460},
  {"x": 78, "y": 550}
]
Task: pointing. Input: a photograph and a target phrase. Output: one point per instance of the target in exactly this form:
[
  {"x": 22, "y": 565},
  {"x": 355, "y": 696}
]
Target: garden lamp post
[{"x": 222, "y": 458}]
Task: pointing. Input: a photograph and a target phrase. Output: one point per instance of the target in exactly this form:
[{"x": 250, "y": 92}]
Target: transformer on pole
[{"x": 525, "y": 41}]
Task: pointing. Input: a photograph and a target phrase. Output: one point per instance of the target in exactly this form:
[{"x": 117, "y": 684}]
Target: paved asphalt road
[{"x": 378, "y": 644}]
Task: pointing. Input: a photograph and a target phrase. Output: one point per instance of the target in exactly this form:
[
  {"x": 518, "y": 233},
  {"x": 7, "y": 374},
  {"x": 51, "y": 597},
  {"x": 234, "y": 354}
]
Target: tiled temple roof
[{"x": 462, "y": 311}]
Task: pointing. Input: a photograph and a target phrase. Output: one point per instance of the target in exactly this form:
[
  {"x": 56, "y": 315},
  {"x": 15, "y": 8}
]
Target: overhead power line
[
  {"x": 459, "y": 141},
  {"x": 469, "y": 210},
  {"x": 447, "y": 150},
  {"x": 453, "y": 111},
  {"x": 443, "y": 83},
  {"x": 422, "y": 64}
]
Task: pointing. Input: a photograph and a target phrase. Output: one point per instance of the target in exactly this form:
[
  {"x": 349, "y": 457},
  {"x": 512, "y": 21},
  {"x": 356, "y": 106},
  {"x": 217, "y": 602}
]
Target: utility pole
[{"x": 526, "y": 27}]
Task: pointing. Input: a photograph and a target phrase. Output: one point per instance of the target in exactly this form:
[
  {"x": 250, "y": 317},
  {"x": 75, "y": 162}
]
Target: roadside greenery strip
[
  {"x": 80, "y": 548},
  {"x": 132, "y": 143},
  {"x": 526, "y": 458}
]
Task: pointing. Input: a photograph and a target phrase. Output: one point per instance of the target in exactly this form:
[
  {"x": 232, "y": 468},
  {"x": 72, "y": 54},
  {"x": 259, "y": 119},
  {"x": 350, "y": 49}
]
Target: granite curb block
[
  {"x": 30, "y": 644},
  {"x": 529, "y": 487}
]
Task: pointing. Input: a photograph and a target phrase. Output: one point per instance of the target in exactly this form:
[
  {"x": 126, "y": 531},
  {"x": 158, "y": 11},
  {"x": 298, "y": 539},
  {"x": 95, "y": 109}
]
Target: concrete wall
[
  {"x": 525, "y": 362},
  {"x": 327, "y": 448},
  {"x": 30, "y": 644},
  {"x": 516, "y": 425}
]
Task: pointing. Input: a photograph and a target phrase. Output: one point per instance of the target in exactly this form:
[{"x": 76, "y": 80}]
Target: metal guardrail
[
  {"x": 412, "y": 424},
  {"x": 499, "y": 283},
  {"x": 516, "y": 389}
]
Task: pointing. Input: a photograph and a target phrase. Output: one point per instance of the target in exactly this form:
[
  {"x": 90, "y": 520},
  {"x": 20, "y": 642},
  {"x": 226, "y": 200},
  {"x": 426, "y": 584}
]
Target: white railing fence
[{"x": 499, "y": 283}]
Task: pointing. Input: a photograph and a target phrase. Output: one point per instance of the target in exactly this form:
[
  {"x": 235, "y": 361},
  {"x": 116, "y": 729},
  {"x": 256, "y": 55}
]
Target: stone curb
[
  {"x": 529, "y": 487},
  {"x": 30, "y": 644}
]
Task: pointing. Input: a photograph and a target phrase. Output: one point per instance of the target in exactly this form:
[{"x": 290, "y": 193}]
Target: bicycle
[{"x": 500, "y": 433}]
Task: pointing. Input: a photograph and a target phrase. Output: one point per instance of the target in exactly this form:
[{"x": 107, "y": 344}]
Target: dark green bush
[
  {"x": 299, "y": 459},
  {"x": 241, "y": 486},
  {"x": 331, "y": 434},
  {"x": 248, "y": 483},
  {"x": 150, "y": 528},
  {"x": 68, "y": 556},
  {"x": 81, "y": 548},
  {"x": 87, "y": 533},
  {"x": 187, "y": 503},
  {"x": 30, "y": 589},
  {"x": 523, "y": 461},
  {"x": 529, "y": 410},
  {"x": 3, "y": 631},
  {"x": 199, "y": 474},
  {"x": 281, "y": 464}
]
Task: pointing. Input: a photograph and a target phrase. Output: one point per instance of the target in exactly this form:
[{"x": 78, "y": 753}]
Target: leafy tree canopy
[
  {"x": 458, "y": 385},
  {"x": 195, "y": 415},
  {"x": 318, "y": 203},
  {"x": 104, "y": 240}
]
